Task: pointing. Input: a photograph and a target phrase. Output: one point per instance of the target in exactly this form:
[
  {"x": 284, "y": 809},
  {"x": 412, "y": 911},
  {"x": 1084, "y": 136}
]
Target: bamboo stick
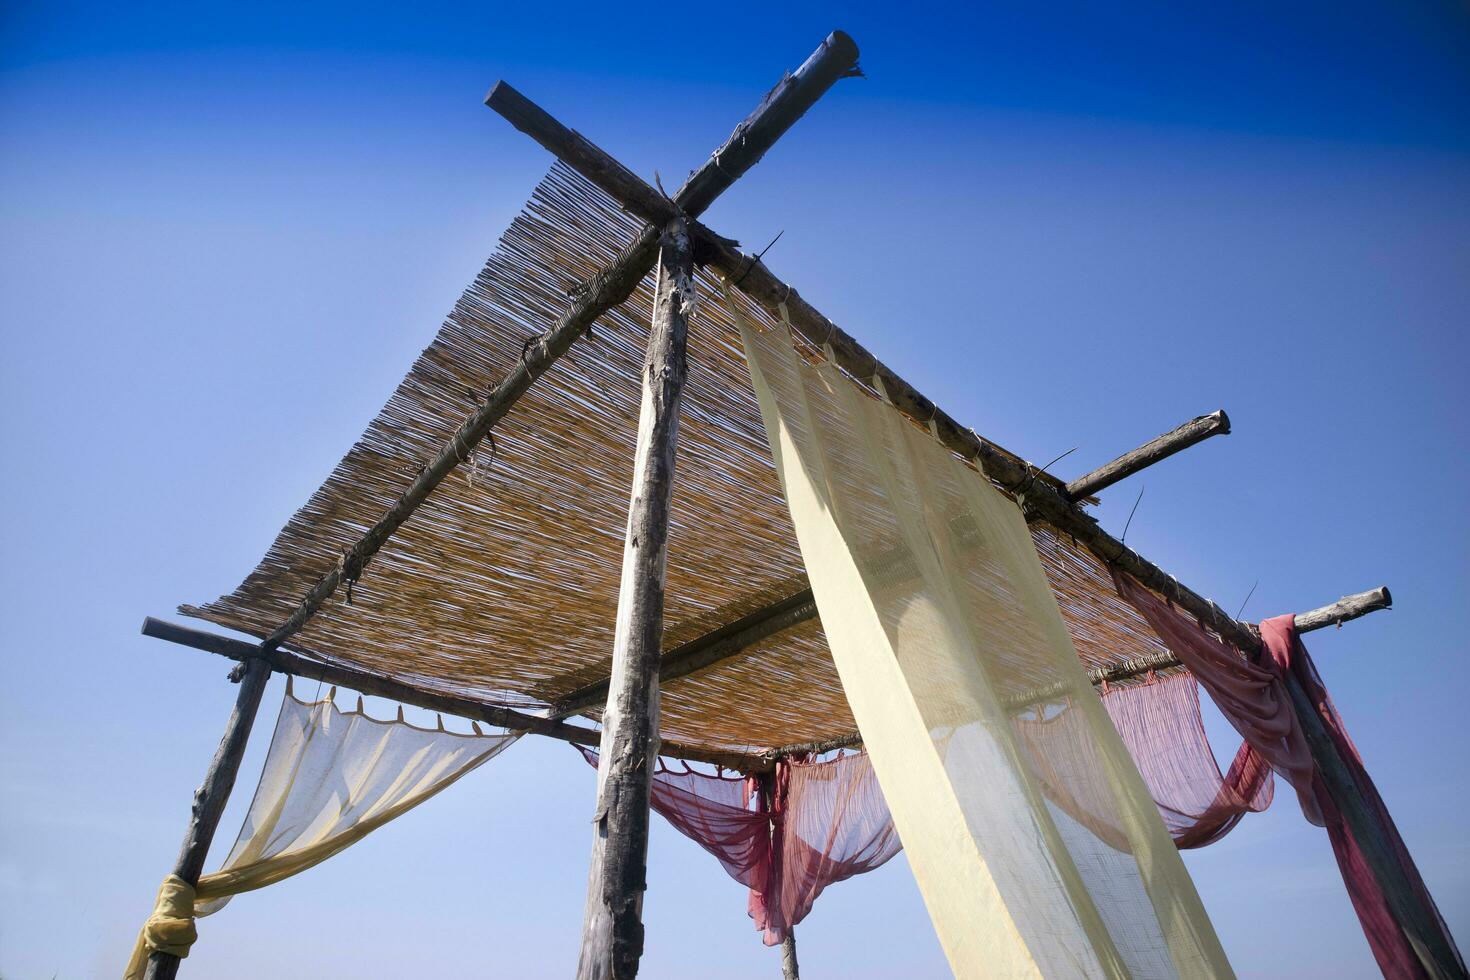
[
  {"x": 1194, "y": 431},
  {"x": 612, "y": 926}
]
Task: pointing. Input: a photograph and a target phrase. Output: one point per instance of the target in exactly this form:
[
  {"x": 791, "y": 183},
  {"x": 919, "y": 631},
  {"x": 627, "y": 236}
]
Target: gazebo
[{"x": 637, "y": 479}]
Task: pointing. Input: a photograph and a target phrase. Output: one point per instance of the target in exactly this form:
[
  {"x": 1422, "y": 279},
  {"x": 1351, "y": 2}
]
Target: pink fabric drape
[
  {"x": 786, "y": 836},
  {"x": 1250, "y": 695},
  {"x": 1253, "y": 697},
  {"x": 1399, "y": 952},
  {"x": 1161, "y": 726}
]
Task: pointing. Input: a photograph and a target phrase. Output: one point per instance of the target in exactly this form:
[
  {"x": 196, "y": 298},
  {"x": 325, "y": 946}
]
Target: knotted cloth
[{"x": 169, "y": 929}]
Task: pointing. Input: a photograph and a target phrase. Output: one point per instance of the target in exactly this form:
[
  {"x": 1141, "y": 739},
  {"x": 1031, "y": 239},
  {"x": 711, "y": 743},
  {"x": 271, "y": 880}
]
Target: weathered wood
[
  {"x": 1347, "y": 608},
  {"x": 1194, "y": 431},
  {"x": 612, "y": 929},
  {"x": 1420, "y": 923},
  {"x": 312, "y": 667},
  {"x": 785, "y": 104},
  {"x": 789, "y": 968},
  {"x": 717, "y": 646},
  {"x": 835, "y": 58},
  {"x": 212, "y": 795}
]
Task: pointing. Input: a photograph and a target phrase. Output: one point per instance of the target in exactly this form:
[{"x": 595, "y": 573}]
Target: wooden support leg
[
  {"x": 214, "y": 792},
  {"x": 789, "y": 970},
  {"x": 612, "y": 928},
  {"x": 1418, "y": 922}
]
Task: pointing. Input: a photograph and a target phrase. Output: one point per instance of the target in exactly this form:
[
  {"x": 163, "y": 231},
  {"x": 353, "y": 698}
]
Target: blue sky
[{"x": 225, "y": 231}]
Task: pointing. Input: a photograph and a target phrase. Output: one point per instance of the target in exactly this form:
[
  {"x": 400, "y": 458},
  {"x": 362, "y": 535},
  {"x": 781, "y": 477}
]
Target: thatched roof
[{"x": 503, "y": 585}]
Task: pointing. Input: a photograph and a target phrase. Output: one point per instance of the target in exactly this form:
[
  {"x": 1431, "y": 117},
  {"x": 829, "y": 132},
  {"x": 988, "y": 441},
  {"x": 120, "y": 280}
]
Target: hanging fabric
[
  {"x": 829, "y": 822},
  {"x": 1399, "y": 950},
  {"x": 1252, "y": 695},
  {"x": 785, "y": 835},
  {"x": 1160, "y": 724},
  {"x": 331, "y": 777},
  {"x": 942, "y": 625},
  {"x": 1248, "y": 694}
]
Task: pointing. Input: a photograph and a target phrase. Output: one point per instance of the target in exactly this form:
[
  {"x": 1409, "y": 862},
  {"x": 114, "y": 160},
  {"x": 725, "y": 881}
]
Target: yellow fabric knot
[{"x": 170, "y": 929}]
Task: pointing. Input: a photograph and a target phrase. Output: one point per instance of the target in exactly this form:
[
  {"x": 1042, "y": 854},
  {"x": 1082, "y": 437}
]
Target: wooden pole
[
  {"x": 612, "y": 936},
  {"x": 314, "y": 668},
  {"x": 789, "y": 968},
  {"x": 1194, "y": 431},
  {"x": 1421, "y": 924},
  {"x": 213, "y": 793}
]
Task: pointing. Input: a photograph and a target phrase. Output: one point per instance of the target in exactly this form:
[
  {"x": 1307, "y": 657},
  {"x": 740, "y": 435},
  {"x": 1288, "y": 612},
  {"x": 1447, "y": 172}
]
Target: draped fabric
[
  {"x": 1399, "y": 945},
  {"x": 1252, "y": 695},
  {"x": 829, "y": 822},
  {"x": 787, "y": 835},
  {"x": 330, "y": 778},
  {"x": 942, "y": 627},
  {"x": 1160, "y": 724}
]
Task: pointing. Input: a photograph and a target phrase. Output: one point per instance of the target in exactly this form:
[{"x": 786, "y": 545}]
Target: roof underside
[{"x": 503, "y": 585}]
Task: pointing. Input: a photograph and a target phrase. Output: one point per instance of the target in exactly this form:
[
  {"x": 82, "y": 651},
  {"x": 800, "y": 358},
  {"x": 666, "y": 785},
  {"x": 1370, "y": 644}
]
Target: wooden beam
[
  {"x": 1343, "y": 610},
  {"x": 1194, "y": 431},
  {"x": 212, "y": 795},
  {"x": 834, "y": 59},
  {"x": 612, "y": 925},
  {"x": 786, "y": 103},
  {"x": 714, "y": 647},
  {"x": 311, "y": 666}
]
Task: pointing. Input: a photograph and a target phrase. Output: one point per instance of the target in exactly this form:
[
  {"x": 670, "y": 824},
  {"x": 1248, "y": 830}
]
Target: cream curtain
[
  {"x": 331, "y": 777},
  {"x": 943, "y": 628}
]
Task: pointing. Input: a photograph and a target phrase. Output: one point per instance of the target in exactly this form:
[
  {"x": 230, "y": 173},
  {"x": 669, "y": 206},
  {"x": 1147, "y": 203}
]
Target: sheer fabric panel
[
  {"x": 331, "y": 778},
  {"x": 1160, "y": 725},
  {"x": 942, "y": 626}
]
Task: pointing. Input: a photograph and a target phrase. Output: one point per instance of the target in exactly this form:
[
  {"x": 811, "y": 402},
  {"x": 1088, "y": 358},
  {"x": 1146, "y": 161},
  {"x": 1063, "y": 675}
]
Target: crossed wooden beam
[{"x": 673, "y": 226}]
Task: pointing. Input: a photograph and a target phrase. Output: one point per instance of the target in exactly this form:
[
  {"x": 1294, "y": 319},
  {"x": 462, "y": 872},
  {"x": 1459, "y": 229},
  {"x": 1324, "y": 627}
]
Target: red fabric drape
[
  {"x": 786, "y": 836},
  {"x": 1253, "y": 697}
]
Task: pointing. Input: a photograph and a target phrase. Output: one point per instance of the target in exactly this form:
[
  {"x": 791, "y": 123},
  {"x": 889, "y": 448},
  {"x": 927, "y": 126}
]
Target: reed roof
[{"x": 503, "y": 585}]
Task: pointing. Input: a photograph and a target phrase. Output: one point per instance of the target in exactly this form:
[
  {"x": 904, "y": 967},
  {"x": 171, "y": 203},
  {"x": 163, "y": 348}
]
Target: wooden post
[
  {"x": 1420, "y": 923},
  {"x": 612, "y": 928},
  {"x": 789, "y": 969},
  {"x": 213, "y": 793}
]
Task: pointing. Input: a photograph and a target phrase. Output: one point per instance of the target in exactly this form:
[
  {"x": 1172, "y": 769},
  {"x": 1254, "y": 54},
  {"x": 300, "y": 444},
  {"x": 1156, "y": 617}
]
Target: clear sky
[{"x": 227, "y": 230}]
